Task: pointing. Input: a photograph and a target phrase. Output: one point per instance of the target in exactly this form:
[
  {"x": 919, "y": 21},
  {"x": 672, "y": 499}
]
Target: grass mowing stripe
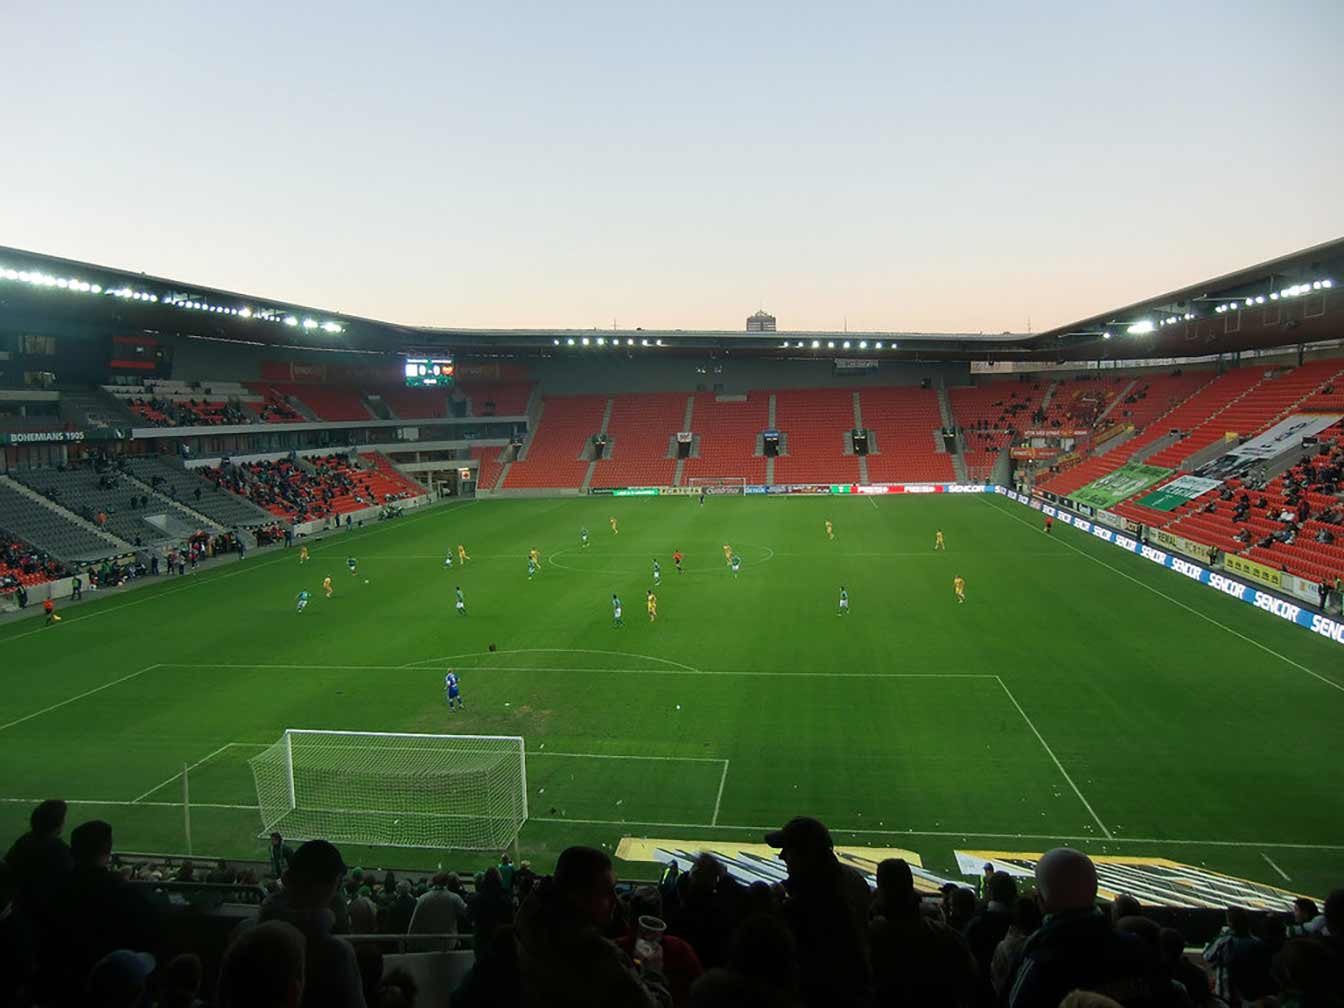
[
  {"x": 1055, "y": 759},
  {"x": 78, "y": 696},
  {"x": 193, "y": 766},
  {"x": 1162, "y": 594}
]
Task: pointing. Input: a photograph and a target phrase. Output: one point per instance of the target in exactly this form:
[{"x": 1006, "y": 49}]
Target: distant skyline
[{"x": 676, "y": 166}]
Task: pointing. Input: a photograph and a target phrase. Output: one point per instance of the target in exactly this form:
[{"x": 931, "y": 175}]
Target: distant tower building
[{"x": 762, "y": 321}]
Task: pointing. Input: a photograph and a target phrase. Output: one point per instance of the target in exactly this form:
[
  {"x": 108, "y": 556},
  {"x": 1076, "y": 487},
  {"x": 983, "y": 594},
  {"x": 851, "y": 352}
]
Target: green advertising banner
[
  {"x": 1178, "y": 492},
  {"x": 1119, "y": 485}
]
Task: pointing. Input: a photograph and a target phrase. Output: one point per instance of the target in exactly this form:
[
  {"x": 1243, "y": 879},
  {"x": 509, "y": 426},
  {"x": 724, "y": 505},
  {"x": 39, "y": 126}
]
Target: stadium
[{"x": 1142, "y": 506}]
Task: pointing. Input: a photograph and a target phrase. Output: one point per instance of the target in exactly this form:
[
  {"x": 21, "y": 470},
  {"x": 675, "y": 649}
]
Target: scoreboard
[{"x": 429, "y": 372}]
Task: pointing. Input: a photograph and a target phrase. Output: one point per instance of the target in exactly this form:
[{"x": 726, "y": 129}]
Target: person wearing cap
[
  {"x": 119, "y": 979},
  {"x": 826, "y": 908},
  {"x": 263, "y": 968},
  {"x": 311, "y": 882},
  {"x": 564, "y": 961}
]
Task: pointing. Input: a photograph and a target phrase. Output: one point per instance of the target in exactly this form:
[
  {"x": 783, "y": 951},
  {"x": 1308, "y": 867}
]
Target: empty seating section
[
  {"x": 641, "y": 429},
  {"x": 50, "y": 530},
  {"x": 415, "y": 403},
  {"x": 1153, "y": 396},
  {"x": 988, "y": 414},
  {"x": 274, "y": 408},
  {"x": 497, "y": 398},
  {"x": 553, "y": 457},
  {"x": 487, "y": 474},
  {"x": 728, "y": 432},
  {"x": 167, "y": 477},
  {"x": 23, "y": 564},
  {"x": 1078, "y": 402},
  {"x": 1199, "y": 417},
  {"x": 105, "y": 498},
  {"x": 904, "y": 422},
  {"x": 815, "y": 422},
  {"x": 385, "y": 480},
  {"x": 329, "y": 402}
]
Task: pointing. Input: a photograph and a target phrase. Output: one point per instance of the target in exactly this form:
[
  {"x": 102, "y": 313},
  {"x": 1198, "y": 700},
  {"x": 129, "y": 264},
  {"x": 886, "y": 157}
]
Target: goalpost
[{"x": 460, "y": 792}]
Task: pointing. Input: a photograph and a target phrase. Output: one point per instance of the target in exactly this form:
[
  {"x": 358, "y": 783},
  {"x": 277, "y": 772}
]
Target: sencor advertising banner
[{"x": 1317, "y": 623}]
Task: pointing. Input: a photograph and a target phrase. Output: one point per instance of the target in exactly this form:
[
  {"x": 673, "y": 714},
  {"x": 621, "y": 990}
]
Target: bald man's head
[{"x": 1066, "y": 880}]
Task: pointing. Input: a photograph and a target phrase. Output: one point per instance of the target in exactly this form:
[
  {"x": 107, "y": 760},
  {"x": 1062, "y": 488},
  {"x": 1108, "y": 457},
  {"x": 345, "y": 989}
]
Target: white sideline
[
  {"x": 965, "y": 836},
  {"x": 1162, "y": 594},
  {"x": 193, "y": 766},
  {"x": 723, "y": 779},
  {"x": 78, "y": 696}
]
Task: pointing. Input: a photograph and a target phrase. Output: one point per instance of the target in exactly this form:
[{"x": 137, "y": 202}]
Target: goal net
[
  {"x": 463, "y": 792},
  {"x": 718, "y": 484}
]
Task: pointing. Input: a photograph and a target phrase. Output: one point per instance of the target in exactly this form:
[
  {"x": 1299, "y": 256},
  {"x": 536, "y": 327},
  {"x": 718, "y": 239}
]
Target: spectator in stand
[
  {"x": 363, "y": 914},
  {"x": 1333, "y": 932},
  {"x": 986, "y": 929},
  {"x": 916, "y": 960},
  {"x": 1171, "y": 944},
  {"x": 41, "y": 861},
  {"x": 523, "y": 881},
  {"x": 761, "y": 969},
  {"x": 563, "y": 958},
  {"x": 18, "y": 948},
  {"x": 982, "y": 883},
  {"x": 439, "y": 911},
  {"x": 312, "y": 881},
  {"x": 1241, "y": 961},
  {"x": 1075, "y": 947},
  {"x": 401, "y": 909},
  {"x": 280, "y": 854},
  {"x": 506, "y": 871},
  {"x": 264, "y": 968},
  {"x": 1026, "y": 921},
  {"x": 960, "y": 908},
  {"x": 181, "y": 982},
  {"x": 1307, "y": 918},
  {"x": 708, "y": 908},
  {"x": 119, "y": 980},
  {"x": 491, "y": 910},
  {"x": 681, "y": 966},
  {"x": 96, "y": 911},
  {"x": 1125, "y": 906}
]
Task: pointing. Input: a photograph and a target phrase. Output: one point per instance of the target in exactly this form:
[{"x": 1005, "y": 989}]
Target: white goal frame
[
  {"x": 737, "y": 483},
  {"x": 454, "y": 792}
]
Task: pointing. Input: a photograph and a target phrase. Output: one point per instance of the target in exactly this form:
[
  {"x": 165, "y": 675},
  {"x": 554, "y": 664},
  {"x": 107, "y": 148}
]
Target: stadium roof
[{"x": 1296, "y": 298}]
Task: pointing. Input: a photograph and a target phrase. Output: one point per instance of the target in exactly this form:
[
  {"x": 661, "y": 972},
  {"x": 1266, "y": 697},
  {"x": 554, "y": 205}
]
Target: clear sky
[{"x": 948, "y": 166}]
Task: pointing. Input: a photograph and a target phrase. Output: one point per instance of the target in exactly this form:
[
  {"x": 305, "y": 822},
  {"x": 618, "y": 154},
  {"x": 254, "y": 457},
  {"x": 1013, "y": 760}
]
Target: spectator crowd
[{"x": 78, "y": 928}]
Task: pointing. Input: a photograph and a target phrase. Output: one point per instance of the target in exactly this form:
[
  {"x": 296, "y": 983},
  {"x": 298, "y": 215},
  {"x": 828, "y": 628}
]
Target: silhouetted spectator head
[
  {"x": 1026, "y": 915},
  {"x": 1239, "y": 922},
  {"x": 803, "y": 843},
  {"x": 118, "y": 979},
  {"x": 181, "y": 981},
  {"x": 1088, "y": 999},
  {"x": 706, "y": 871},
  {"x": 1273, "y": 929},
  {"x": 398, "y": 991},
  {"x": 1307, "y": 966},
  {"x": 646, "y": 901},
  {"x": 491, "y": 881},
  {"x": 585, "y": 878},
  {"x": 1143, "y": 928},
  {"x": 48, "y": 818},
  {"x": 962, "y": 907},
  {"x": 1001, "y": 888},
  {"x": 1125, "y": 906},
  {"x": 1304, "y": 910},
  {"x": 1334, "y": 913},
  {"x": 763, "y": 950},
  {"x": 91, "y": 843},
  {"x": 1066, "y": 880},
  {"x": 314, "y": 874},
  {"x": 263, "y": 968}
]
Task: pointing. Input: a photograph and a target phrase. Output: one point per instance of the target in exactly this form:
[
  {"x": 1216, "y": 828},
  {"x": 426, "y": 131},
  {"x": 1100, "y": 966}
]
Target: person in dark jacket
[
  {"x": 563, "y": 959},
  {"x": 280, "y": 853},
  {"x": 826, "y": 909},
  {"x": 40, "y": 859},
  {"x": 986, "y": 929},
  {"x": 1076, "y": 946}
]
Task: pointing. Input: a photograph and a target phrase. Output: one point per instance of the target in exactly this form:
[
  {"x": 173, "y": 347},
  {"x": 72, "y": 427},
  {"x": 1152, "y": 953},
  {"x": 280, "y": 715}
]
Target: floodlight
[
  {"x": 877, "y": 345},
  {"x": 1140, "y": 327},
  {"x": 585, "y": 341},
  {"x": 845, "y": 344},
  {"x": 830, "y": 344},
  {"x": 601, "y": 341},
  {"x": 290, "y": 320},
  {"x": 570, "y": 341},
  {"x": 1327, "y": 284},
  {"x": 816, "y": 344}
]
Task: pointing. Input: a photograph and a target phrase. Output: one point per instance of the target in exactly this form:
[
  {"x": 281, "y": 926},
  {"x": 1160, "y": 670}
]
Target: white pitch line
[
  {"x": 1055, "y": 759},
  {"x": 1189, "y": 609},
  {"x": 240, "y": 567},
  {"x": 723, "y": 779},
  {"x": 1281, "y": 872},
  {"x": 873, "y": 501},
  {"x": 78, "y": 696},
  {"x": 190, "y": 768},
  {"x": 965, "y": 835},
  {"x": 620, "y": 671},
  {"x": 659, "y": 759}
]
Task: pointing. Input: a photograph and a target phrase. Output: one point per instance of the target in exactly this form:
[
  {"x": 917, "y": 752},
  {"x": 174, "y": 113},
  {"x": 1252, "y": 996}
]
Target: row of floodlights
[
  {"x": 36, "y": 278},
  {"x": 831, "y": 345},
  {"x": 1297, "y": 290},
  {"x": 615, "y": 343}
]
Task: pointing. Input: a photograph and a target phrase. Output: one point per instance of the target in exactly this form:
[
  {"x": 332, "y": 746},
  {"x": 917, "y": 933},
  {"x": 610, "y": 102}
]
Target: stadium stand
[
  {"x": 815, "y": 422},
  {"x": 728, "y": 429},
  {"x": 328, "y": 402},
  {"x": 106, "y": 498},
  {"x": 315, "y": 487},
  {"x": 49, "y": 530},
  {"x": 1080, "y": 401},
  {"x": 641, "y": 429},
  {"x": 989, "y": 415},
  {"x": 496, "y": 398},
  {"x": 23, "y": 564},
  {"x": 553, "y": 454},
  {"x": 904, "y": 422},
  {"x": 490, "y": 467},
  {"x": 384, "y": 480},
  {"x": 166, "y": 476},
  {"x": 414, "y": 403}
]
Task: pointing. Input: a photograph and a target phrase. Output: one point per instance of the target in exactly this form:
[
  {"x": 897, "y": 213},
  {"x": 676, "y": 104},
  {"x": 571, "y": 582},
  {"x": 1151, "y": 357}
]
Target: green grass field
[{"x": 1081, "y": 694}]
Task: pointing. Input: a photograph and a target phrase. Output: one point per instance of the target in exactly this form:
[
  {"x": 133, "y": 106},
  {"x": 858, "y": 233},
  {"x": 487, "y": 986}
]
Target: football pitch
[{"x": 1080, "y": 695}]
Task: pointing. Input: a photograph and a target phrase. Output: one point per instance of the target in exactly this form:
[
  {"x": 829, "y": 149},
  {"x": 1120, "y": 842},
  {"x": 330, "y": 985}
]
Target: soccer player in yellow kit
[
  {"x": 462, "y": 556},
  {"x": 614, "y": 529},
  {"x": 303, "y": 554},
  {"x": 830, "y": 532},
  {"x": 326, "y": 585},
  {"x": 727, "y": 554},
  {"x": 959, "y": 586},
  {"x": 938, "y": 543},
  {"x": 652, "y": 604},
  {"x": 534, "y": 555}
]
